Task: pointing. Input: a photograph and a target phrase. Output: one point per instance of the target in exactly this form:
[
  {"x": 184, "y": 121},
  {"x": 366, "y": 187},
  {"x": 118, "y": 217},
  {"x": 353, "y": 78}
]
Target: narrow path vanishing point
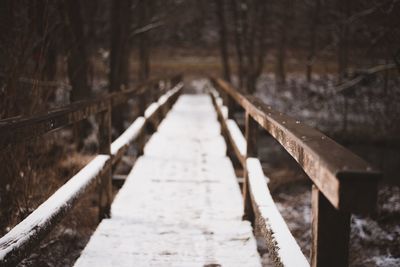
[{"x": 181, "y": 204}]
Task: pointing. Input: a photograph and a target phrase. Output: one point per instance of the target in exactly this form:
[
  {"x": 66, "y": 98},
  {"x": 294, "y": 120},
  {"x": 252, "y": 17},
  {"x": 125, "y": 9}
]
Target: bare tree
[
  {"x": 255, "y": 41},
  {"x": 78, "y": 63},
  {"x": 223, "y": 39},
  {"x": 238, "y": 32},
  {"x": 285, "y": 15},
  {"x": 249, "y": 17},
  {"x": 144, "y": 15},
  {"x": 344, "y": 8},
  {"x": 120, "y": 53},
  {"x": 314, "y": 15}
]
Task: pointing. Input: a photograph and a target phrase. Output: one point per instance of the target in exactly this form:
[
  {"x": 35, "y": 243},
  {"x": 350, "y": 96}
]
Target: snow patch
[
  {"x": 219, "y": 101},
  {"x": 128, "y": 136},
  {"x": 283, "y": 243},
  {"x": 150, "y": 110},
  {"x": 237, "y": 136},
  {"x": 224, "y": 112},
  {"x": 385, "y": 261}
]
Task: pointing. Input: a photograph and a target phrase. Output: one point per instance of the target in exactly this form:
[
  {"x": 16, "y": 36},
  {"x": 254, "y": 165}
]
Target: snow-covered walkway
[{"x": 181, "y": 204}]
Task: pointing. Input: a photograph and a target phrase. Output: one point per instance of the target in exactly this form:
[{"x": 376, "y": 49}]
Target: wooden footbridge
[{"x": 182, "y": 203}]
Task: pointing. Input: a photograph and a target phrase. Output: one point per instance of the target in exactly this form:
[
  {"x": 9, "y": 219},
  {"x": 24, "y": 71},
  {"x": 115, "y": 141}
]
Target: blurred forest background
[{"x": 333, "y": 64}]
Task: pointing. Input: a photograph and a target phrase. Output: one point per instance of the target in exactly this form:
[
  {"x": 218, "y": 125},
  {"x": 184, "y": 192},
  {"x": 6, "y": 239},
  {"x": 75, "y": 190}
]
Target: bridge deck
[{"x": 181, "y": 204}]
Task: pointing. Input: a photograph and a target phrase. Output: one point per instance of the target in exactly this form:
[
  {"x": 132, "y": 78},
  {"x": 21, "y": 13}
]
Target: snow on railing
[
  {"x": 136, "y": 128},
  {"x": 285, "y": 251},
  {"x": 237, "y": 136},
  {"x": 39, "y": 222},
  {"x": 151, "y": 110},
  {"x": 343, "y": 183},
  {"x": 21, "y": 240},
  {"x": 130, "y": 134}
]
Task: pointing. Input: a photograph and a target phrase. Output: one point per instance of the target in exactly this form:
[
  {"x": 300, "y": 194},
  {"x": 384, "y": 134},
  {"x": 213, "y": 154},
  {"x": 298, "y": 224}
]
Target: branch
[
  {"x": 146, "y": 28},
  {"x": 362, "y": 76}
]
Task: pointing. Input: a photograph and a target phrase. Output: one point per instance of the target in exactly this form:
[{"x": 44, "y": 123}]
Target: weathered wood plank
[
  {"x": 105, "y": 185},
  {"x": 19, "y": 129},
  {"x": 251, "y": 131},
  {"x": 330, "y": 233},
  {"x": 230, "y": 130},
  {"x": 282, "y": 247},
  {"x": 347, "y": 181},
  {"x": 25, "y": 129},
  {"x": 24, "y": 237}
]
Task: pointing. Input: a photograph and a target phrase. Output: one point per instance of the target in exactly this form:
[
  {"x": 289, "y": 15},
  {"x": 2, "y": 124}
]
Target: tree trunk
[
  {"x": 7, "y": 109},
  {"x": 144, "y": 15},
  {"x": 77, "y": 62},
  {"x": 343, "y": 45},
  {"x": 255, "y": 42},
  {"x": 313, "y": 39},
  {"x": 77, "y": 58},
  {"x": 238, "y": 40},
  {"x": 280, "y": 71},
  {"x": 120, "y": 54},
  {"x": 223, "y": 43},
  {"x": 8, "y": 95}
]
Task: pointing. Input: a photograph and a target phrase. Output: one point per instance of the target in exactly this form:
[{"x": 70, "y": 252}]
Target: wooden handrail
[
  {"x": 23, "y": 238},
  {"x": 349, "y": 183},
  {"x": 343, "y": 182},
  {"x": 13, "y": 131},
  {"x": 17, "y": 243}
]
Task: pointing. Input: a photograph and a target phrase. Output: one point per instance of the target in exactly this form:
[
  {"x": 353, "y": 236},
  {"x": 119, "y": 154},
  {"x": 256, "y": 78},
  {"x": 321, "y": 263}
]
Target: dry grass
[{"x": 203, "y": 62}]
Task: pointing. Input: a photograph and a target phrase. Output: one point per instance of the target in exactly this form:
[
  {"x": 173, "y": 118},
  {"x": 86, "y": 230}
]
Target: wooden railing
[
  {"x": 343, "y": 183},
  {"x": 24, "y": 237}
]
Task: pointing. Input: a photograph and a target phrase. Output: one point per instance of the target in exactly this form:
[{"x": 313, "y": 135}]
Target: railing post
[
  {"x": 251, "y": 151},
  {"x": 142, "y": 102},
  {"x": 105, "y": 190},
  {"x": 330, "y": 233},
  {"x": 229, "y": 103}
]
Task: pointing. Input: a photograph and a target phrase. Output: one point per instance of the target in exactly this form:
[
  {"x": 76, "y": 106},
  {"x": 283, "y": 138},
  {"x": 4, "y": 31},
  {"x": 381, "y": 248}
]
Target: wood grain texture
[
  {"x": 347, "y": 181},
  {"x": 330, "y": 233},
  {"x": 20, "y": 129}
]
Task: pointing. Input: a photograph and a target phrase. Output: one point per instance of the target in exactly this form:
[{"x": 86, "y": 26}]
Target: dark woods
[
  {"x": 49, "y": 45},
  {"x": 355, "y": 34}
]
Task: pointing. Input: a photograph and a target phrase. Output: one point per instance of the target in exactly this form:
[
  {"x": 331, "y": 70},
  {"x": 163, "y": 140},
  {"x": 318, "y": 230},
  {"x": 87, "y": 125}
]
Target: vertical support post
[
  {"x": 229, "y": 103},
  {"x": 345, "y": 114},
  {"x": 156, "y": 92},
  {"x": 251, "y": 151},
  {"x": 330, "y": 233},
  {"x": 231, "y": 107},
  {"x": 142, "y": 103},
  {"x": 141, "y": 141},
  {"x": 105, "y": 190}
]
